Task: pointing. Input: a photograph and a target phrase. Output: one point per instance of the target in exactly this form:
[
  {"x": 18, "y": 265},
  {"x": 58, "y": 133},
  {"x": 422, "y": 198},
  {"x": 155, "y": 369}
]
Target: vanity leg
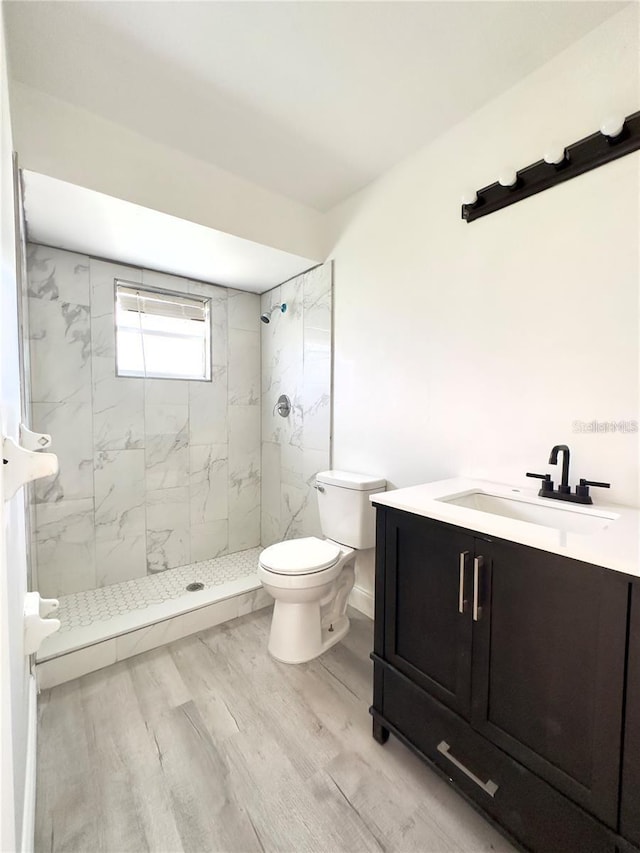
[{"x": 380, "y": 733}]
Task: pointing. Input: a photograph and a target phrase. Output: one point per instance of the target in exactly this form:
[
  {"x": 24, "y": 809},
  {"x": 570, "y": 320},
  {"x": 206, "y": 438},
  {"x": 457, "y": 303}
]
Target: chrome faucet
[{"x": 564, "y": 488}]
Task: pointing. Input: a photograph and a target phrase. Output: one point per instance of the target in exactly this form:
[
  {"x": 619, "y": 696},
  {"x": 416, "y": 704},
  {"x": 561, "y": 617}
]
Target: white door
[
  {"x": 17, "y": 694},
  {"x": 17, "y": 684}
]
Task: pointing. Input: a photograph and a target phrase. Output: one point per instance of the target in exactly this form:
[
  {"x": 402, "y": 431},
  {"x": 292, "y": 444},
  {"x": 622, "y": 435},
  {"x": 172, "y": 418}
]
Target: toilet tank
[{"x": 346, "y": 513}]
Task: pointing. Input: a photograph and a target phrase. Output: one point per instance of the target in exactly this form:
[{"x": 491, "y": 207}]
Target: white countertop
[{"x": 616, "y": 546}]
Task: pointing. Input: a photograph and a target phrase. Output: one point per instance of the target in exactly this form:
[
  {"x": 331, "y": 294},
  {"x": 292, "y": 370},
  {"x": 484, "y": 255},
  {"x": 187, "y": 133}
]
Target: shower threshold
[{"x": 102, "y": 626}]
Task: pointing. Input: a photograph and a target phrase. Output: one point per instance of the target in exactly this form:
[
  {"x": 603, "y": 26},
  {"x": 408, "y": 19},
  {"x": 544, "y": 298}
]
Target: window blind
[{"x": 161, "y": 334}]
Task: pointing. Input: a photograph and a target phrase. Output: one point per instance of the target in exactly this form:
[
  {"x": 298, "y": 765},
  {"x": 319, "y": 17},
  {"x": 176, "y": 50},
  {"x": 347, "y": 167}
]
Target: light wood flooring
[{"x": 208, "y": 744}]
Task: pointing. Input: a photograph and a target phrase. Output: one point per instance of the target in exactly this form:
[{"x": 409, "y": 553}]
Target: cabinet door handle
[
  {"x": 477, "y": 565},
  {"x": 489, "y": 787},
  {"x": 463, "y": 560}
]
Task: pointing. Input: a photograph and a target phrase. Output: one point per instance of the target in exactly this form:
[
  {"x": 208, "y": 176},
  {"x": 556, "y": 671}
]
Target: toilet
[{"x": 311, "y": 578}]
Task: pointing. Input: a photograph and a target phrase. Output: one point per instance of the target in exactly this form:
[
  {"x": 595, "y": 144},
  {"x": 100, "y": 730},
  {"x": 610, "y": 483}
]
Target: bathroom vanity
[{"x": 510, "y": 662}]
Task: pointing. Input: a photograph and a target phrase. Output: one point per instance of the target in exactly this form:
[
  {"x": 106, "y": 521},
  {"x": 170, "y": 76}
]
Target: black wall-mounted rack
[{"x": 582, "y": 156}]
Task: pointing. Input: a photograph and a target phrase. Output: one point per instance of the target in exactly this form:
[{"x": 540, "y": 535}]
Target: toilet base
[{"x": 297, "y": 635}]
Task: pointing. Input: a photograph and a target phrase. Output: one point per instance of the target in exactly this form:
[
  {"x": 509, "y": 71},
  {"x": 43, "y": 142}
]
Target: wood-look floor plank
[
  {"x": 157, "y": 682},
  {"x": 204, "y": 803},
  {"x": 67, "y": 816},
  {"x": 133, "y": 803},
  {"x": 216, "y": 686},
  {"x": 208, "y": 745}
]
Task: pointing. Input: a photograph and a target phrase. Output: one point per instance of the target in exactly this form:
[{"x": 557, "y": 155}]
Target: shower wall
[
  {"x": 153, "y": 473},
  {"x": 296, "y": 361}
]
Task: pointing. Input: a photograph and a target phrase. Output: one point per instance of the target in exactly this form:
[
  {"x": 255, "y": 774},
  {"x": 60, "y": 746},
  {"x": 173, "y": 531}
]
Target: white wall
[
  {"x": 471, "y": 348},
  {"x": 66, "y": 142},
  {"x": 14, "y": 674}
]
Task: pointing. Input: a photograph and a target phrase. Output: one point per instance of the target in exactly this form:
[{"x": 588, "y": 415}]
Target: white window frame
[{"x": 182, "y": 298}]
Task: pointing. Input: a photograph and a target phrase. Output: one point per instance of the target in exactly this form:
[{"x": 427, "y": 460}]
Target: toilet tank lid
[{"x": 349, "y": 480}]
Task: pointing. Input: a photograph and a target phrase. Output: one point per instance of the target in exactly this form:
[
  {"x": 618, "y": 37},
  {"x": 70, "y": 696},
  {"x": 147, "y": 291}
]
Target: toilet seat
[{"x": 300, "y": 556}]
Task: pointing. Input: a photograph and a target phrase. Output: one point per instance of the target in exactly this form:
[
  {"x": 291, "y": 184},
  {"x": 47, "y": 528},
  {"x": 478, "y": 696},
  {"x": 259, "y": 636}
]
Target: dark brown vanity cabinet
[
  {"x": 505, "y": 667},
  {"x": 630, "y": 803},
  {"x": 427, "y": 636}
]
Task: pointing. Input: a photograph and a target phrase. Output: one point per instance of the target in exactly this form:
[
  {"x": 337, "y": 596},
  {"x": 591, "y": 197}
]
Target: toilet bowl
[{"x": 311, "y": 578}]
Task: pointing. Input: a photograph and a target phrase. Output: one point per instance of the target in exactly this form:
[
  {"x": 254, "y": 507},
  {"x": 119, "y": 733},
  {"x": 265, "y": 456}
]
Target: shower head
[{"x": 266, "y": 317}]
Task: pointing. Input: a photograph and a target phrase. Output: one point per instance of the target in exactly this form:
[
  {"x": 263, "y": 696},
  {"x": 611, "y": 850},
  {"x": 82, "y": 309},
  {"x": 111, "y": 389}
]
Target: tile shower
[{"x": 158, "y": 475}]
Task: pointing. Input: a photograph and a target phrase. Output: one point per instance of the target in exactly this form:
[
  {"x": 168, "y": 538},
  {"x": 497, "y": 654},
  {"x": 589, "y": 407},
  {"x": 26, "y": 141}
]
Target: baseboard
[
  {"x": 29, "y": 802},
  {"x": 362, "y": 600}
]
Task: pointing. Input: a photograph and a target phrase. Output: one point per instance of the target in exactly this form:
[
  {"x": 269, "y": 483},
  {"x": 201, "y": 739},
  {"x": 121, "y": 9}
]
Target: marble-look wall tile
[
  {"x": 165, "y": 392},
  {"x": 317, "y": 418},
  {"x": 168, "y": 542},
  {"x": 171, "y": 467},
  {"x": 316, "y": 396},
  {"x": 296, "y": 360},
  {"x": 55, "y": 275},
  {"x": 219, "y": 319},
  {"x": 167, "y": 460},
  {"x": 244, "y": 477},
  {"x": 121, "y": 559},
  {"x": 103, "y": 338},
  {"x": 244, "y": 518},
  {"x": 70, "y": 427},
  {"x": 244, "y": 310},
  {"x": 244, "y": 368},
  {"x": 244, "y": 440},
  {"x": 291, "y": 465},
  {"x": 293, "y": 500},
  {"x": 118, "y": 408},
  {"x": 209, "y": 540},
  {"x": 317, "y": 357},
  {"x": 270, "y": 493},
  {"x": 317, "y": 298},
  {"x": 65, "y": 668},
  {"x": 65, "y": 542},
  {"x": 208, "y": 421},
  {"x": 282, "y": 366},
  {"x": 102, "y": 276},
  {"x": 119, "y": 494},
  {"x": 290, "y": 350},
  {"x": 60, "y": 351},
  {"x": 208, "y": 480},
  {"x": 313, "y": 462},
  {"x": 166, "y": 433},
  {"x": 165, "y": 418}
]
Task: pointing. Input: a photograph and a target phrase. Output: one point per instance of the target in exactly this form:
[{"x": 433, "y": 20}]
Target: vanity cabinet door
[
  {"x": 548, "y": 669},
  {"x": 427, "y": 633},
  {"x": 630, "y": 806}
]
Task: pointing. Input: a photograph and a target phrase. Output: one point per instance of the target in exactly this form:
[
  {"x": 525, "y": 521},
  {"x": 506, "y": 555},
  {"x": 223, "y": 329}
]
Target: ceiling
[
  {"x": 313, "y": 100},
  {"x": 81, "y": 220}
]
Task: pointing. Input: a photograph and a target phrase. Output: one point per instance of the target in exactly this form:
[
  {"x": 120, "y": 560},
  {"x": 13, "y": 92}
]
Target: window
[{"x": 161, "y": 335}]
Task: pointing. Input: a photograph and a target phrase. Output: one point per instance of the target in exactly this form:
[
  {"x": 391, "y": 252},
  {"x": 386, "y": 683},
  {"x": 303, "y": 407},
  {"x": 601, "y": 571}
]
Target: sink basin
[{"x": 566, "y": 517}]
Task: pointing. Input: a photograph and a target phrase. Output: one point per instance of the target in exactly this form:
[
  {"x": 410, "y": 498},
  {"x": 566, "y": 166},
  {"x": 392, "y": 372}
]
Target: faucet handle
[
  {"x": 583, "y": 489},
  {"x": 547, "y": 482}
]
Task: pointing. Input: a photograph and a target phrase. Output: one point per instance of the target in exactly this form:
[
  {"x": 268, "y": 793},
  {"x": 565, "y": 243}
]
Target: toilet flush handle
[{"x": 318, "y": 487}]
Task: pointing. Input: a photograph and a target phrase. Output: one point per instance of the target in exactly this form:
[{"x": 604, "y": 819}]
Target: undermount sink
[{"x": 570, "y": 519}]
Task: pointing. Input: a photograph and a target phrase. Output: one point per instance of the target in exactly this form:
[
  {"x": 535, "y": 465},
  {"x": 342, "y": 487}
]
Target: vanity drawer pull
[
  {"x": 477, "y": 609},
  {"x": 489, "y": 787},
  {"x": 461, "y": 601}
]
